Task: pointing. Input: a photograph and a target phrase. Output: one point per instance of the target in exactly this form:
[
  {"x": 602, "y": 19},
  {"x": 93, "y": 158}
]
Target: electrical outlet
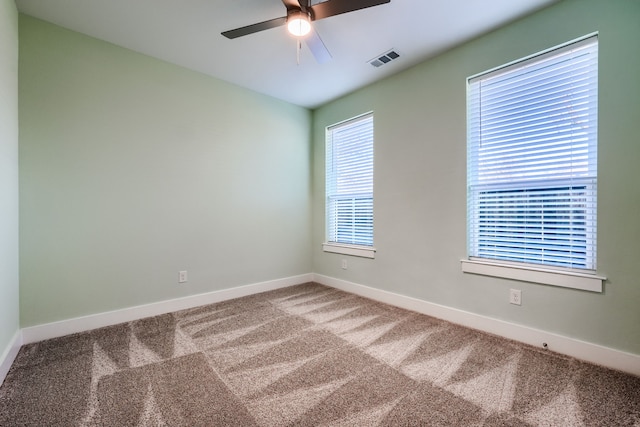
[
  {"x": 344, "y": 264},
  {"x": 182, "y": 277},
  {"x": 515, "y": 296}
]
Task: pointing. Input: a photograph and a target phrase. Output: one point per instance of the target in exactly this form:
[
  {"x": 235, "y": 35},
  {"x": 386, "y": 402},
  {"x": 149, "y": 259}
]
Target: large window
[
  {"x": 532, "y": 160},
  {"x": 349, "y": 187}
]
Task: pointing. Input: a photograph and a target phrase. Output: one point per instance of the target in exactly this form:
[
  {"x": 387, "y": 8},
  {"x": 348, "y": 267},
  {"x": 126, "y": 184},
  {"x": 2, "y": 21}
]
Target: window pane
[
  {"x": 532, "y": 159},
  {"x": 349, "y": 182}
]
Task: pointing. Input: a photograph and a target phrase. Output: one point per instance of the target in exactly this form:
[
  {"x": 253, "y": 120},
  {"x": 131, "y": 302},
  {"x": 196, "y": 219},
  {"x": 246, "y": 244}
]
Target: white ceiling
[{"x": 187, "y": 33}]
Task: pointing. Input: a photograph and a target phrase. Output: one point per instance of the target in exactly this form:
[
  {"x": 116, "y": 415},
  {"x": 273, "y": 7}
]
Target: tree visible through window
[{"x": 532, "y": 159}]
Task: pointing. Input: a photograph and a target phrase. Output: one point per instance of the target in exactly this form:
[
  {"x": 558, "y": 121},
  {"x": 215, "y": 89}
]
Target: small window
[
  {"x": 532, "y": 160},
  {"x": 349, "y": 187}
]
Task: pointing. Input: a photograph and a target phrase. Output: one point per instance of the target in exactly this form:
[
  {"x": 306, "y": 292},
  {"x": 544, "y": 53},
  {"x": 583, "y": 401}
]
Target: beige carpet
[{"x": 306, "y": 356}]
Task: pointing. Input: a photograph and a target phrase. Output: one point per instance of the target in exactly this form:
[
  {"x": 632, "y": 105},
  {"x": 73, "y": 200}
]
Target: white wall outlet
[
  {"x": 182, "y": 277},
  {"x": 515, "y": 296},
  {"x": 344, "y": 264}
]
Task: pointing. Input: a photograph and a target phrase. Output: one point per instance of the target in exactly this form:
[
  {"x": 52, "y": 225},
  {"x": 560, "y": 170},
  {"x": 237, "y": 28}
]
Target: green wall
[
  {"x": 420, "y": 179},
  {"x": 8, "y": 174},
  {"x": 132, "y": 169}
]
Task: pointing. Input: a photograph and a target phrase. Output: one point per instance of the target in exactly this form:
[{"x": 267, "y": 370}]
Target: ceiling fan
[{"x": 300, "y": 14}]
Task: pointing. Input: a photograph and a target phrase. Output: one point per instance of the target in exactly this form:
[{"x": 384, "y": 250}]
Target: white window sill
[
  {"x": 566, "y": 279},
  {"x": 361, "y": 251}
]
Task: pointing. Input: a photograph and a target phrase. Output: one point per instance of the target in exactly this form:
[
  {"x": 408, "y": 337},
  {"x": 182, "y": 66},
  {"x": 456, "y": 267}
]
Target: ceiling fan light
[{"x": 298, "y": 23}]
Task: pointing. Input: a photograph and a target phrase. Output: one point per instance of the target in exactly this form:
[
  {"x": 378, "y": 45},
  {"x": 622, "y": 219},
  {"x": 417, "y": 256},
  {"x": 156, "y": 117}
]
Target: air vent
[{"x": 384, "y": 58}]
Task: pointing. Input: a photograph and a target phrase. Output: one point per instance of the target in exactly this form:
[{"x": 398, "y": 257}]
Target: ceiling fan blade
[
  {"x": 317, "y": 47},
  {"x": 254, "y": 28},
  {"x": 336, "y": 7}
]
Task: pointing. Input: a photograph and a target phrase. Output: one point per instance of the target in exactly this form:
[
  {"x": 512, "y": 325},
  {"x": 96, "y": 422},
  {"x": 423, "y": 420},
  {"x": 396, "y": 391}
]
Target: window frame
[
  {"x": 578, "y": 278},
  {"x": 346, "y": 248}
]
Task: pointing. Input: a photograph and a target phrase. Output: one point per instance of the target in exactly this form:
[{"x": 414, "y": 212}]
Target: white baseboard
[
  {"x": 604, "y": 356},
  {"x": 611, "y": 358},
  {"x": 9, "y": 355},
  {"x": 85, "y": 323}
]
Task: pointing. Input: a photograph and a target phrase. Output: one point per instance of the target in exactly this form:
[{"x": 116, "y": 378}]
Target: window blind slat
[
  {"x": 349, "y": 182},
  {"x": 532, "y": 159}
]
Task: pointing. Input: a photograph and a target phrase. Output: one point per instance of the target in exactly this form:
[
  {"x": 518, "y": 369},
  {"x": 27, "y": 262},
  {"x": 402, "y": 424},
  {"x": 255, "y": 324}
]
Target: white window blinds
[
  {"x": 532, "y": 159},
  {"x": 349, "y": 182}
]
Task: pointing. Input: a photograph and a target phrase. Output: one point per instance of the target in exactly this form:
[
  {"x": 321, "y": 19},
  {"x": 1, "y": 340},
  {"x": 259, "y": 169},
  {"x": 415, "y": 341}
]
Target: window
[
  {"x": 532, "y": 160},
  {"x": 349, "y": 187}
]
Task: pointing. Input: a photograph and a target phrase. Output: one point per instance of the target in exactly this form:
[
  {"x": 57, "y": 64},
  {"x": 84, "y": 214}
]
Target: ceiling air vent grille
[{"x": 385, "y": 58}]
